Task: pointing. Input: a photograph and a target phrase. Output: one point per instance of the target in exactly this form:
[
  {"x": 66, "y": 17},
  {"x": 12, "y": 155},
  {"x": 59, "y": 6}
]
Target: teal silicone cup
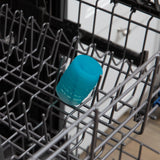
[{"x": 78, "y": 80}]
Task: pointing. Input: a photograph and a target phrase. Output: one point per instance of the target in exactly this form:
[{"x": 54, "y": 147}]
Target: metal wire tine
[
  {"x": 91, "y": 47},
  {"x": 44, "y": 127},
  {"x": 100, "y": 152},
  {"x": 15, "y": 15},
  {"x": 20, "y": 26},
  {"x": 67, "y": 152},
  {"x": 51, "y": 32},
  {"x": 13, "y": 96},
  {"x": 37, "y": 25},
  {"x": 107, "y": 70},
  {"x": 68, "y": 115},
  {"x": 51, "y": 70},
  {"x": 128, "y": 30},
  {"x": 5, "y": 23},
  {"x": 93, "y": 50},
  {"x": 86, "y": 50},
  {"x": 119, "y": 74},
  {"x": 26, "y": 120},
  {"x": 58, "y": 74},
  {"x": 3, "y": 48},
  {"x": 39, "y": 39},
  {"x": 121, "y": 149},
  {"x": 2, "y": 7},
  {"x": 79, "y": 15},
  {"x": 100, "y": 54},
  {"x": 94, "y": 21},
  {"x": 75, "y": 41},
  {"x": 144, "y": 57},
  {"x": 143, "y": 91},
  {"x": 66, "y": 38},
  {"x": 73, "y": 48},
  {"x": 54, "y": 44},
  {"x": 96, "y": 91},
  {"x": 57, "y": 40},
  {"x": 67, "y": 148},
  {"x": 30, "y": 101},
  {"x": 145, "y": 38},
  {"x": 23, "y": 146},
  {"x": 22, "y": 60},
  {"x": 79, "y": 142},
  {"x": 49, "y": 109},
  {"x": 114, "y": 107},
  {"x": 29, "y": 20},
  {"x": 140, "y": 152},
  {"x": 31, "y": 40},
  {"x": 7, "y": 108},
  {"x": 77, "y": 129},
  {"x": 45, "y": 28},
  {"x": 9, "y": 49},
  {"x": 110, "y": 27},
  {"x": 141, "y": 72},
  {"x": 81, "y": 45},
  {"x": 27, "y": 152},
  {"x": 119, "y": 61},
  {"x": 30, "y": 124},
  {"x": 127, "y": 74},
  {"x": 94, "y": 136},
  {"x": 40, "y": 65},
  {"x": 12, "y": 23},
  {"x": 34, "y": 66},
  {"x": 125, "y": 103}
]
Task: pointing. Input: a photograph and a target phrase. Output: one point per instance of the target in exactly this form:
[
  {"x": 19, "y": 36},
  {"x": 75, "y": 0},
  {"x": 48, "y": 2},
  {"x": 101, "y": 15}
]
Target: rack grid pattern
[{"x": 36, "y": 124}]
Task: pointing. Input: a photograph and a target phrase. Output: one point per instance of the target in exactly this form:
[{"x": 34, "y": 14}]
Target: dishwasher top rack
[{"x": 32, "y": 59}]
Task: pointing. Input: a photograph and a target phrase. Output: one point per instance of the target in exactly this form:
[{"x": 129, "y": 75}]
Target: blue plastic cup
[{"x": 78, "y": 80}]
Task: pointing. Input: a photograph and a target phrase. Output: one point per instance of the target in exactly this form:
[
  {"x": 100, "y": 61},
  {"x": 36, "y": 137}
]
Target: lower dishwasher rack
[{"x": 35, "y": 124}]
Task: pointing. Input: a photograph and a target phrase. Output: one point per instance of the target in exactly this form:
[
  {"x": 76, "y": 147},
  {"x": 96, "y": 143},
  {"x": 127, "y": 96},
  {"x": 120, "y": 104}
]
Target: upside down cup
[{"x": 78, "y": 80}]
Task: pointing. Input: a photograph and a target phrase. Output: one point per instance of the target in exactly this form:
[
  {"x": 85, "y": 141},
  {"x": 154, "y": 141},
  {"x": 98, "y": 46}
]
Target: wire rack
[{"x": 35, "y": 123}]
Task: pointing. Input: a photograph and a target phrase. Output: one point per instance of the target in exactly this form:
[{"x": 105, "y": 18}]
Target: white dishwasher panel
[{"x": 119, "y": 26}]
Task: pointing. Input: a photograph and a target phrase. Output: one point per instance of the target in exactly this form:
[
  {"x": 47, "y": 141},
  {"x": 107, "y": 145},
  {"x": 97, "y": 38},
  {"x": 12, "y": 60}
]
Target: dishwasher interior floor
[{"x": 150, "y": 137}]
